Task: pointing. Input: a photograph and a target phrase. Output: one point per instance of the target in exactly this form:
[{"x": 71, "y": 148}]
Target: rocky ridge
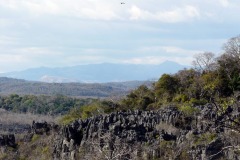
[
  {"x": 206, "y": 132},
  {"x": 168, "y": 133}
]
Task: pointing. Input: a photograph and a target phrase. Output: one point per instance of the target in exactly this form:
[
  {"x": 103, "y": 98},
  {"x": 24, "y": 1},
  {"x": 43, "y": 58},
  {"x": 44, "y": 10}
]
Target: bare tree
[
  {"x": 204, "y": 61},
  {"x": 106, "y": 147},
  {"x": 232, "y": 47}
]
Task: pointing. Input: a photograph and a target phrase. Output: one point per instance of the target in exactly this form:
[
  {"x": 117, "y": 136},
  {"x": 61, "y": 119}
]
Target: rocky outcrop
[
  {"x": 167, "y": 133},
  {"x": 43, "y": 127},
  {"x": 7, "y": 140}
]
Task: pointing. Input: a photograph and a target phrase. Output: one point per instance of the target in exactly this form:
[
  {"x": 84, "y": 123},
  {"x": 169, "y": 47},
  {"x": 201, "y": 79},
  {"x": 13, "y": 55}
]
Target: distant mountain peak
[{"x": 104, "y": 72}]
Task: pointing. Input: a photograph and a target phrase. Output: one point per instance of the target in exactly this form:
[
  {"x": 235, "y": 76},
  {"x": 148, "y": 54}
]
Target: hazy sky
[{"x": 57, "y": 33}]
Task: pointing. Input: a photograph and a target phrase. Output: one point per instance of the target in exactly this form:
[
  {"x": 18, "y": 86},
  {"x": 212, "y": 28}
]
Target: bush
[
  {"x": 35, "y": 137},
  {"x": 197, "y": 102},
  {"x": 205, "y": 138},
  {"x": 74, "y": 114},
  {"x": 82, "y": 112},
  {"x": 189, "y": 110},
  {"x": 91, "y": 110},
  {"x": 180, "y": 98}
]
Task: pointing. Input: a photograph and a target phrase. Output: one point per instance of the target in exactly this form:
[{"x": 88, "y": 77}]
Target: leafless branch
[{"x": 224, "y": 148}]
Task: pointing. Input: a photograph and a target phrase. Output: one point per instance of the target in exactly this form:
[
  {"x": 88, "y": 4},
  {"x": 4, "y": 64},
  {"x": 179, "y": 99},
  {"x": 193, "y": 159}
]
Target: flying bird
[{"x": 122, "y": 2}]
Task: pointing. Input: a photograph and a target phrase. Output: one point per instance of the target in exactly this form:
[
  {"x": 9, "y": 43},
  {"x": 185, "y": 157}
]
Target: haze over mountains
[{"x": 97, "y": 73}]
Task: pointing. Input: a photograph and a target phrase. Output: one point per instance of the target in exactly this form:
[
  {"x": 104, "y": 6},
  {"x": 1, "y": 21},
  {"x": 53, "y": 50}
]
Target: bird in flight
[{"x": 122, "y": 2}]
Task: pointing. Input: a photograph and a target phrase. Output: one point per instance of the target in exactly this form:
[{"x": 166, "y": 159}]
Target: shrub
[
  {"x": 204, "y": 138},
  {"x": 196, "y": 102},
  {"x": 35, "y": 137},
  {"x": 74, "y": 114},
  {"x": 82, "y": 112},
  {"x": 180, "y": 98},
  {"x": 188, "y": 110}
]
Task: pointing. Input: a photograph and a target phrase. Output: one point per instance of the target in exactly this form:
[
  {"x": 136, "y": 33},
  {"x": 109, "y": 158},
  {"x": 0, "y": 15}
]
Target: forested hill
[{"x": 22, "y": 87}]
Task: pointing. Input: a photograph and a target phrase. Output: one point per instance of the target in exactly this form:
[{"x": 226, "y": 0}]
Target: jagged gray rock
[
  {"x": 7, "y": 140},
  {"x": 150, "y": 134}
]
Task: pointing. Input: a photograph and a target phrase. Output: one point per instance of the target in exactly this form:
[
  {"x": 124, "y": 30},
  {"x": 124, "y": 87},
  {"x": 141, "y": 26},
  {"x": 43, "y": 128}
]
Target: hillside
[
  {"x": 164, "y": 134},
  {"x": 23, "y": 87},
  {"x": 190, "y": 115},
  {"x": 100, "y": 73}
]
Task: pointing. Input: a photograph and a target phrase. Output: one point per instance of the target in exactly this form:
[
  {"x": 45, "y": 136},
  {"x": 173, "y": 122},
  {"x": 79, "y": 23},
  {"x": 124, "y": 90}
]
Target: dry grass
[
  {"x": 39, "y": 147},
  {"x": 7, "y": 117}
]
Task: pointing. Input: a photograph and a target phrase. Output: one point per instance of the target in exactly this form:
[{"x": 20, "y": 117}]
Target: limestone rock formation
[
  {"x": 166, "y": 134},
  {"x": 7, "y": 140}
]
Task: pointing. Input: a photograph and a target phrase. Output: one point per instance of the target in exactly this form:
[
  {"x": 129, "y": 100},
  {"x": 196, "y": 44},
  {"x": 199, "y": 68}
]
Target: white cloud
[
  {"x": 179, "y": 51},
  {"x": 169, "y": 50},
  {"x": 136, "y": 13},
  {"x": 11, "y": 62},
  {"x": 179, "y": 14},
  {"x": 96, "y": 11},
  {"x": 42, "y": 7},
  {"x": 167, "y": 12},
  {"x": 22, "y": 58},
  {"x": 36, "y": 51},
  {"x": 158, "y": 60},
  {"x": 145, "y": 60},
  {"x": 5, "y": 22},
  {"x": 6, "y": 58},
  {"x": 224, "y": 3},
  {"x": 70, "y": 32},
  {"x": 87, "y": 9},
  {"x": 32, "y": 6},
  {"x": 7, "y": 40},
  {"x": 102, "y": 10},
  {"x": 160, "y": 54}
]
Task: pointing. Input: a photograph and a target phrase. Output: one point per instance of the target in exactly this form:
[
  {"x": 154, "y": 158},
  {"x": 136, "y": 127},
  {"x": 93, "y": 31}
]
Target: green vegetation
[
  {"x": 35, "y": 137},
  {"x": 53, "y": 105},
  {"x": 138, "y": 99},
  {"x": 204, "y": 138},
  {"x": 95, "y": 108},
  {"x": 213, "y": 79},
  {"x": 188, "y": 110},
  {"x": 96, "y": 90}
]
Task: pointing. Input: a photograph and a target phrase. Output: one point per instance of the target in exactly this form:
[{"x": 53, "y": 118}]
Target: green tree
[
  {"x": 229, "y": 67},
  {"x": 139, "y": 98},
  {"x": 166, "y": 87}
]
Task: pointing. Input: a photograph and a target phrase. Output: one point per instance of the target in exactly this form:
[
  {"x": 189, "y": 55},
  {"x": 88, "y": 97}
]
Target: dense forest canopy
[{"x": 52, "y": 105}]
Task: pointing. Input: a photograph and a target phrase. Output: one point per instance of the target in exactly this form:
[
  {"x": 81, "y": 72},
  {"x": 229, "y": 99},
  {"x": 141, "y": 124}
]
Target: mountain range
[{"x": 97, "y": 73}]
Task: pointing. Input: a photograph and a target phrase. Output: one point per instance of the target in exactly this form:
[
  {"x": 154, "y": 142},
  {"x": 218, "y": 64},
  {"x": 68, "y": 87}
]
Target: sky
[{"x": 59, "y": 33}]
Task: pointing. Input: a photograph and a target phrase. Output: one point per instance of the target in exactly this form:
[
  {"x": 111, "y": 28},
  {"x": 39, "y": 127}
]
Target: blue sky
[{"x": 57, "y": 33}]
